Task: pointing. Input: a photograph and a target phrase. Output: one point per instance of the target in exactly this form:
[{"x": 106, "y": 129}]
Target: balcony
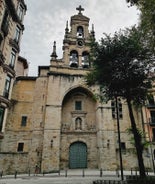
[
  {"x": 5, "y": 101},
  {"x": 9, "y": 70}
]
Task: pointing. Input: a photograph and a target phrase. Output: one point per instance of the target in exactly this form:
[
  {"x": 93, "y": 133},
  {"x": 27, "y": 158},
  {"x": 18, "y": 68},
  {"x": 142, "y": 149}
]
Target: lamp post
[{"x": 119, "y": 139}]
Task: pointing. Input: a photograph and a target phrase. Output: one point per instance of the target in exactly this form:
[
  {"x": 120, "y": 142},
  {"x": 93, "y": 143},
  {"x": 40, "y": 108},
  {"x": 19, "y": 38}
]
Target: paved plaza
[
  {"x": 65, "y": 177},
  {"x": 69, "y": 177}
]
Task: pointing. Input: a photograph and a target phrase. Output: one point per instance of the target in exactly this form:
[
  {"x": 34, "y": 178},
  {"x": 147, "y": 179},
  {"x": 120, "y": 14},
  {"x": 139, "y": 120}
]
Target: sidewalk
[{"x": 64, "y": 177}]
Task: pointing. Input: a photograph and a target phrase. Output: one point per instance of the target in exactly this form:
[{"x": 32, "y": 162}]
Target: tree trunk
[{"x": 138, "y": 141}]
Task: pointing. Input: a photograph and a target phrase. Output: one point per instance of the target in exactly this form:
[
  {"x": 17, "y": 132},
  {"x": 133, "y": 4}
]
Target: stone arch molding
[
  {"x": 76, "y": 88},
  {"x": 78, "y": 104}
]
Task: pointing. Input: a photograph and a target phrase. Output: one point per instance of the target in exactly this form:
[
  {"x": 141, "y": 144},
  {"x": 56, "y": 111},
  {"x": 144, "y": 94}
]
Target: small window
[
  {"x": 152, "y": 113},
  {"x": 153, "y": 134},
  {"x": 151, "y": 99},
  {"x": 20, "y": 147},
  {"x": 7, "y": 86},
  {"x": 17, "y": 34},
  {"x": 2, "y": 110},
  {"x": 12, "y": 58},
  {"x": 123, "y": 146},
  {"x": 78, "y": 105},
  {"x": 24, "y": 121},
  {"x": 5, "y": 23},
  {"x": 20, "y": 12}
]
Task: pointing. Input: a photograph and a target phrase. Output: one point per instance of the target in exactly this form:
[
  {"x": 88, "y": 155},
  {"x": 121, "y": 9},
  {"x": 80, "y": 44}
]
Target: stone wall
[{"x": 11, "y": 162}]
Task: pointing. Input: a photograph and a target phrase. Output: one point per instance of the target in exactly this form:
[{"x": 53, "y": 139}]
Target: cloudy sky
[{"x": 45, "y": 23}]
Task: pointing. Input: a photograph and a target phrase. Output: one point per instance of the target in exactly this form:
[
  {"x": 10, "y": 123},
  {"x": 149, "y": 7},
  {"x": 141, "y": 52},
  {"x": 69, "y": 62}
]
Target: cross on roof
[{"x": 80, "y": 9}]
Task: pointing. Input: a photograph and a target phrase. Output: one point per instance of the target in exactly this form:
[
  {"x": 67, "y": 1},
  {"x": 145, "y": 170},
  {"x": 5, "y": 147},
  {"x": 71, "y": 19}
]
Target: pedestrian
[{"x": 36, "y": 169}]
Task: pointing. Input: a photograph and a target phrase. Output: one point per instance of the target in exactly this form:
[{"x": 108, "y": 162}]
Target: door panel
[{"x": 78, "y": 155}]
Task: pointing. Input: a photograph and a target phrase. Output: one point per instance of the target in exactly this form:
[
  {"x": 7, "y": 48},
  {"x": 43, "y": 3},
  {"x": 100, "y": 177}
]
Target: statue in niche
[{"x": 78, "y": 124}]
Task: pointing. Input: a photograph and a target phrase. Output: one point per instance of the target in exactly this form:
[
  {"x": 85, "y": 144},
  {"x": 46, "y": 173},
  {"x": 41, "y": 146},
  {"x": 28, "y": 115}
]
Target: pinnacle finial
[
  {"x": 54, "y": 55},
  {"x": 93, "y": 32},
  {"x": 66, "y": 30}
]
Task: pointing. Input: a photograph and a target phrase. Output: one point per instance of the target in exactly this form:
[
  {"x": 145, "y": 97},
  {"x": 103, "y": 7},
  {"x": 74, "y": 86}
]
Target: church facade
[{"x": 57, "y": 123}]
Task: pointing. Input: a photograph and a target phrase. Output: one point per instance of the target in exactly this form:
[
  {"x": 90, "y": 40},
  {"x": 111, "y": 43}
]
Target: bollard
[
  {"x": 101, "y": 173},
  {"x": 117, "y": 173},
  {"x": 59, "y": 172},
  {"x": 66, "y": 173},
  {"x": 1, "y": 174},
  {"x": 15, "y": 174},
  {"x": 131, "y": 172},
  {"x": 83, "y": 173},
  {"x": 29, "y": 172}
]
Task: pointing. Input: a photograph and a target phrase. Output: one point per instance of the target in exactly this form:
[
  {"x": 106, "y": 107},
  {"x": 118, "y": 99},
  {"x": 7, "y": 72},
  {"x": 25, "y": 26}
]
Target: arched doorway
[{"x": 78, "y": 155}]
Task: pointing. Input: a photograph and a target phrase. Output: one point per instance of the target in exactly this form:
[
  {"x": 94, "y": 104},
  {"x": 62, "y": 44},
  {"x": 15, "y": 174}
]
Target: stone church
[{"x": 55, "y": 120}]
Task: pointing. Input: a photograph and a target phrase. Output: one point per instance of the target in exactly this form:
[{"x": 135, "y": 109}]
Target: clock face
[{"x": 80, "y": 43}]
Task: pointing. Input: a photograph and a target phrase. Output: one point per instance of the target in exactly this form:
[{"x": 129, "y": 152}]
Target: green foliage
[
  {"x": 142, "y": 136},
  {"x": 121, "y": 65},
  {"x": 147, "y": 20}
]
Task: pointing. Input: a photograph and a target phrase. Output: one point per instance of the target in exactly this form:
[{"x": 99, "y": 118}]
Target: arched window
[
  {"x": 74, "y": 59},
  {"x": 85, "y": 60},
  {"x": 78, "y": 124},
  {"x": 80, "y": 33}
]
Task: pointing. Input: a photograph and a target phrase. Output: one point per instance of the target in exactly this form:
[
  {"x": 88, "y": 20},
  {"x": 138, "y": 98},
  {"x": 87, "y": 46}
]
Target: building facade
[
  {"x": 11, "y": 27},
  {"x": 56, "y": 122}
]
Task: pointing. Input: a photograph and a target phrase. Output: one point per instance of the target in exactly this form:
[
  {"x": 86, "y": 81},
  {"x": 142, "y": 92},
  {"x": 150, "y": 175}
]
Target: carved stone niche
[{"x": 78, "y": 120}]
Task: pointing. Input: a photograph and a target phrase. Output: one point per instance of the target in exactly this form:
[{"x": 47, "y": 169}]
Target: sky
[{"x": 45, "y": 22}]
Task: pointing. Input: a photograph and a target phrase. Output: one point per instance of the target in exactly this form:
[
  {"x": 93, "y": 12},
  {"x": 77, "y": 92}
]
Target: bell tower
[{"x": 76, "y": 48}]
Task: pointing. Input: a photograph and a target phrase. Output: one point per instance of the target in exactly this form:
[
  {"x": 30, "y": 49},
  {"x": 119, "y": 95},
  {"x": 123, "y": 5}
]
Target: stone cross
[{"x": 80, "y": 9}]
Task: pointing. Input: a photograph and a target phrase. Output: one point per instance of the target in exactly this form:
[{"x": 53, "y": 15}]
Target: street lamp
[{"x": 119, "y": 139}]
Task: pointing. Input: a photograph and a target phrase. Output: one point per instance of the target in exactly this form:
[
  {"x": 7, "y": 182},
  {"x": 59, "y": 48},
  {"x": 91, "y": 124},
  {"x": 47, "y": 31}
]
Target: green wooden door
[{"x": 78, "y": 155}]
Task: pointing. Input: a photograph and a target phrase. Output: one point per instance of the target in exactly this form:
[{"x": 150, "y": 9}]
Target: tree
[
  {"x": 121, "y": 67},
  {"x": 147, "y": 19}
]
